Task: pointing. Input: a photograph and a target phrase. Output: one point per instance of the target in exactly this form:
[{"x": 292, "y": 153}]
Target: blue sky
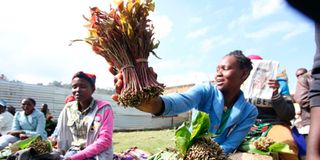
[{"x": 194, "y": 36}]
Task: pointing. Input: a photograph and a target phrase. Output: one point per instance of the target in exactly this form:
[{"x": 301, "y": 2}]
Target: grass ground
[{"x": 151, "y": 141}]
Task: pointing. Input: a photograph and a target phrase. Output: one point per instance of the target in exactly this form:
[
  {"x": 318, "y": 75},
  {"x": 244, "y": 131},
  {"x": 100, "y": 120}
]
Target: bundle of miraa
[{"x": 124, "y": 37}]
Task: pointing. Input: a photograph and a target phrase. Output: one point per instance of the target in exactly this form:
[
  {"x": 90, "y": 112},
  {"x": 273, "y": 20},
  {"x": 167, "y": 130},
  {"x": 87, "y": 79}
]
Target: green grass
[{"x": 151, "y": 141}]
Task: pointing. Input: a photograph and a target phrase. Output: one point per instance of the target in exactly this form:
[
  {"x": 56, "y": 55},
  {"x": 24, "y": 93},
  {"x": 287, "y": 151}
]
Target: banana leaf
[
  {"x": 185, "y": 138},
  {"x": 182, "y": 138},
  {"x": 167, "y": 155},
  {"x": 23, "y": 144},
  {"x": 4, "y": 153},
  {"x": 276, "y": 147}
]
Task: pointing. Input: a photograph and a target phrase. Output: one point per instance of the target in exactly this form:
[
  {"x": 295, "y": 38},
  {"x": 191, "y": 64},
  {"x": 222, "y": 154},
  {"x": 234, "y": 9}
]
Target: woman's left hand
[
  {"x": 23, "y": 136},
  {"x": 16, "y": 133},
  {"x": 274, "y": 84}
]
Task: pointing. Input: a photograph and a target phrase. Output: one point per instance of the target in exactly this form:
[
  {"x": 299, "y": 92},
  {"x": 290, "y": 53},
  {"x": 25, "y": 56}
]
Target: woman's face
[
  {"x": 81, "y": 89},
  {"x": 229, "y": 76},
  {"x": 27, "y": 106}
]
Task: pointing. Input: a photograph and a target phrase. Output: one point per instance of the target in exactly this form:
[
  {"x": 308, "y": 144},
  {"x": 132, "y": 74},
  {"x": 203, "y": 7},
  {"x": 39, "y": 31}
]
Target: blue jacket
[
  {"x": 207, "y": 98},
  {"x": 284, "y": 88},
  {"x": 35, "y": 125}
]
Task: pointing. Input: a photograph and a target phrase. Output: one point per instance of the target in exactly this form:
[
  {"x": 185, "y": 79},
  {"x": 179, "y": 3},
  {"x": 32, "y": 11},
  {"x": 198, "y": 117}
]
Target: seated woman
[
  {"x": 85, "y": 126},
  {"x": 276, "y": 113},
  {"x": 26, "y": 123}
]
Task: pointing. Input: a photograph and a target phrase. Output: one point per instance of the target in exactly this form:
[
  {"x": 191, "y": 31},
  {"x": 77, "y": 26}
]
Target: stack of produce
[
  {"x": 195, "y": 145},
  {"x": 124, "y": 37},
  {"x": 264, "y": 146},
  {"x": 41, "y": 147},
  {"x": 35, "y": 142},
  {"x": 205, "y": 148},
  {"x": 263, "y": 143}
]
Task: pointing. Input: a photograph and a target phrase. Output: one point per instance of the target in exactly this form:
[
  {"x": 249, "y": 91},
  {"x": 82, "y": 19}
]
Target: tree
[
  {"x": 55, "y": 83},
  {"x": 3, "y": 77}
]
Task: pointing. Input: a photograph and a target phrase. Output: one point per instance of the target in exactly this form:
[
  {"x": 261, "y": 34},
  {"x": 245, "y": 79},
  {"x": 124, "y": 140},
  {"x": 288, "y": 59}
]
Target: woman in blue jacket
[{"x": 231, "y": 116}]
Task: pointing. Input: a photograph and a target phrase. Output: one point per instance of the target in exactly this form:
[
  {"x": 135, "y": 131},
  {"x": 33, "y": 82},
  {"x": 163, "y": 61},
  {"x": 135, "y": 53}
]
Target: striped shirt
[{"x": 80, "y": 124}]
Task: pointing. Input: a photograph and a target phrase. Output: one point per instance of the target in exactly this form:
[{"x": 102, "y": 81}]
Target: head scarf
[
  {"x": 69, "y": 98},
  {"x": 3, "y": 103},
  {"x": 254, "y": 57},
  {"x": 91, "y": 78}
]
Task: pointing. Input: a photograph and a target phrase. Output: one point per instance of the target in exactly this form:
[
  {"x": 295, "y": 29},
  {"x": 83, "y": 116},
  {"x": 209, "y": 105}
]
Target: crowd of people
[
  {"x": 83, "y": 130},
  {"x": 85, "y": 125}
]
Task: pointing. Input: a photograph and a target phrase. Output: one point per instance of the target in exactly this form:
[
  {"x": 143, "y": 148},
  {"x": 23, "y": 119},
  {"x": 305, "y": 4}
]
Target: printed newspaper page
[{"x": 256, "y": 88}]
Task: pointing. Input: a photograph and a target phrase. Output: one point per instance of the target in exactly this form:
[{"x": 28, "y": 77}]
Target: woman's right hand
[
  {"x": 274, "y": 84},
  {"x": 24, "y": 136},
  {"x": 118, "y": 82},
  {"x": 53, "y": 141},
  {"x": 153, "y": 105}
]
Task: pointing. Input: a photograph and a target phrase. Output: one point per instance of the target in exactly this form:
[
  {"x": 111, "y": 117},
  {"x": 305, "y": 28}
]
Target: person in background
[
  {"x": 231, "y": 116},
  {"x": 302, "y": 98},
  {"x": 301, "y": 72},
  {"x": 50, "y": 123},
  {"x": 282, "y": 79},
  {"x": 69, "y": 98},
  {"x": 313, "y": 145},
  {"x": 53, "y": 137},
  {"x": 11, "y": 109},
  {"x": 85, "y": 126},
  {"x": 45, "y": 110},
  {"x": 6, "y": 119},
  {"x": 311, "y": 10},
  {"x": 26, "y": 123},
  {"x": 277, "y": 114}
]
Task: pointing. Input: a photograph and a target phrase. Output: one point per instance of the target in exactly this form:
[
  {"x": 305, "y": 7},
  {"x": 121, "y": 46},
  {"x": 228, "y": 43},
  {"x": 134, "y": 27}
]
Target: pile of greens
[
  {"x": 23, "y": 144},
  {"x": 184, "y": 138}
]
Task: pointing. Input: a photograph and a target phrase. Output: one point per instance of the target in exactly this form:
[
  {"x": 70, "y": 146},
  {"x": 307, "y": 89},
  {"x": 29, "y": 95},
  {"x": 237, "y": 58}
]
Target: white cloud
[
  {"x": 297, "y": 30},
  {"x": 195, "y": 20},
  {"x": 212, "y": 42},
  {"x": 262, "y": 8},
  {"x": 270, "y": 29},
  {"x": 162, "y": 26},
  {"x": 41, "y": 52},
  {"x": 287, "y": 29},
  {"x": 198, "y": 33},
  {"x": 241, "y": 21}
]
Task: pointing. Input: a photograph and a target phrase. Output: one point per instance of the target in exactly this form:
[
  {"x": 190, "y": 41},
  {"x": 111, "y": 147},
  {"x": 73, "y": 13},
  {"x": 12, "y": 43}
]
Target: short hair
[
  {"x": 243, "y": 61},
  {"x": 304, "y": 70},
  {"x": 31, "y": 100}
]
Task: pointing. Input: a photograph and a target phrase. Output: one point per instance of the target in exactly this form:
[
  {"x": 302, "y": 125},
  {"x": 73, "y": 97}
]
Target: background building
[{"x": 125, "y": 118}]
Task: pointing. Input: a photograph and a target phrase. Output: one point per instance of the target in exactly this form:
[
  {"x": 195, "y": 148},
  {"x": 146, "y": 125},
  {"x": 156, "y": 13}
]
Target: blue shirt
[
  {"x": 33, "y": 124},
  {"x": 207, "y": 98},
  {"x": 283, "y": 86}
]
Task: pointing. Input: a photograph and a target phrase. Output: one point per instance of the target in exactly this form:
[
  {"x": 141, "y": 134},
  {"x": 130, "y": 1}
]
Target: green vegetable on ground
[{"x": 194, "y": 144}]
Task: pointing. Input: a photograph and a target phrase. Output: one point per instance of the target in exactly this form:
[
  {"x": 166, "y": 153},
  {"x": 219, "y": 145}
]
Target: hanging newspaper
[{"x": 255, "y": 88}]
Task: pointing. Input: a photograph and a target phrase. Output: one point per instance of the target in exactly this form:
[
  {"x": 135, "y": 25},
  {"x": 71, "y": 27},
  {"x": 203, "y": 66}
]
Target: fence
[{"x": 124, "y": 118}]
